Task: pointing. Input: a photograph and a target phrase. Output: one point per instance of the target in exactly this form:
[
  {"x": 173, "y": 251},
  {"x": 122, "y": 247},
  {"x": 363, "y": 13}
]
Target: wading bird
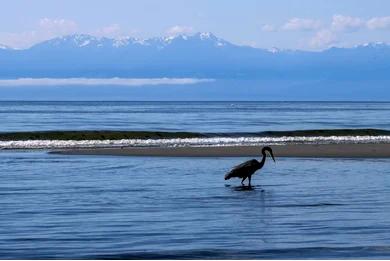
[{"x": 248, "y": 168}]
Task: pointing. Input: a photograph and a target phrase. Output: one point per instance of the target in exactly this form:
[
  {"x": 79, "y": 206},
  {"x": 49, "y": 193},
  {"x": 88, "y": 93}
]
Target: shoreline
[{"x": 368, "y": 150}]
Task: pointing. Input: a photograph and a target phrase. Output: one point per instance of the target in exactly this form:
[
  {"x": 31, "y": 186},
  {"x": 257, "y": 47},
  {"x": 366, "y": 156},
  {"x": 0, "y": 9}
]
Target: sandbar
[{"x": 290, "y": 150}]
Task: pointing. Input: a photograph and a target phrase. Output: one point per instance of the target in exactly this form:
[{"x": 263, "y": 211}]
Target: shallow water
[{"x": 56, "y": 206}]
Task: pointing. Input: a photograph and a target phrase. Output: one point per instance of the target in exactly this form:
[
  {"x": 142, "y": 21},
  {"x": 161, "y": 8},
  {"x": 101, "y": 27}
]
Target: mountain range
[{"x": 202, "y": 55}]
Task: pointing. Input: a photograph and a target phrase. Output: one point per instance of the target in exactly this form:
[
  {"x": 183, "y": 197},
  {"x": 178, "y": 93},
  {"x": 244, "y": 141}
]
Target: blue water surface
[
  {"x": 57, "y": 206},
  {"x": 192, "y": 116}
]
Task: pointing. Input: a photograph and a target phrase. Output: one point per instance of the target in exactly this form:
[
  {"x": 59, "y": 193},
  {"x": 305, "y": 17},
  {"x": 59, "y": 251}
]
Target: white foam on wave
[{"x": 217, "y": 141}]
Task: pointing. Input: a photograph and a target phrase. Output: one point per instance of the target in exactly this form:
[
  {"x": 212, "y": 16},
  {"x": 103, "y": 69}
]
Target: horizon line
[{"x": 224, "y": 101}]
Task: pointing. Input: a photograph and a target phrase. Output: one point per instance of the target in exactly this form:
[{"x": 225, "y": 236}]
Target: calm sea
[
  {"x": 60, "y": 206},
  {"x": 192, "y": 116}
]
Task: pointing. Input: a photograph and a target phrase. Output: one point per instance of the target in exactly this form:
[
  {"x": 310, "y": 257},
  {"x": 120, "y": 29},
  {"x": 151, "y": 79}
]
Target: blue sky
[{"x": 309, "y": 25}]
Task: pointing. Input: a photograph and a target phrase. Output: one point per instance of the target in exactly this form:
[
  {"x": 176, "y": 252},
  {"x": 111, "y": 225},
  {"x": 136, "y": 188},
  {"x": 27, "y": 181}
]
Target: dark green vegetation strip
[
  {"x": 329, "y": 132},
  {"x": 94, "y": 135},
  {"x": 117, "y": 135}
]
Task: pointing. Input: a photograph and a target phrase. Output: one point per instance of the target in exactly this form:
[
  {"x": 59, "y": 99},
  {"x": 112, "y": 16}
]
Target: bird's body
[
  {"x": 245, "y": 169},
  {"x": 248, "y": 168}
]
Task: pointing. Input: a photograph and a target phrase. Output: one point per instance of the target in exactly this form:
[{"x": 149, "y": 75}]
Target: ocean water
[
  {"x": 236, "y": 123},
  {"x": 55, "y": 206},
  {"x": 192, "y": 116},
  {"x": 62, "y": 206}
]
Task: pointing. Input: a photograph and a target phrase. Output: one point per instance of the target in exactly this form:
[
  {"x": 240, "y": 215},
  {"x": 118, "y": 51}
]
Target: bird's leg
[
  {"x": 242, "y": 181},
  {"x": 249, "y": 178}
]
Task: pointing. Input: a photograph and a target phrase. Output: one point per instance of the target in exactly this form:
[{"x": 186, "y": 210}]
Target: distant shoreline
[{"x": 290, "y": 150}]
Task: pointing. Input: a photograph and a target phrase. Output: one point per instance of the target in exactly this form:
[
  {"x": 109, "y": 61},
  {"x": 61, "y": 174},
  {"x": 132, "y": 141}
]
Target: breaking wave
[{"x": 194, "y": 142}]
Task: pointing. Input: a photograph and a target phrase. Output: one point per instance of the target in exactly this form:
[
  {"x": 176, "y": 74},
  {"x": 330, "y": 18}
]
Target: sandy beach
[{"x": 291, "y": 150}]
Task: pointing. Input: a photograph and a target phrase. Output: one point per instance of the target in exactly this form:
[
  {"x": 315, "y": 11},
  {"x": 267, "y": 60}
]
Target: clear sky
[{"x": 299, "y": 24}]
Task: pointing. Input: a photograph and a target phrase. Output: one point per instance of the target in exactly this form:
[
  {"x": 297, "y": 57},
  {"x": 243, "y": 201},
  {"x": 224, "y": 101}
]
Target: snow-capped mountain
[
  {"x": 89, "y": 41},
  {"x": 198, "y": 55}
]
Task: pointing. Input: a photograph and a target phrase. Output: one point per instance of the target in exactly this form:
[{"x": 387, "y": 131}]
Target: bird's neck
[{"x": 263, "y": 159}]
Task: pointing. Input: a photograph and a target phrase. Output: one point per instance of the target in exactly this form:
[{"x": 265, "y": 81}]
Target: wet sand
[{"x": 290, "y": 150}]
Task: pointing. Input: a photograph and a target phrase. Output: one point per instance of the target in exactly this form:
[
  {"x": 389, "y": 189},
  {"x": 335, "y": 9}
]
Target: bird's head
[
  {"x": 266, "y": 148},
  {"x": 227, "y": 176}
]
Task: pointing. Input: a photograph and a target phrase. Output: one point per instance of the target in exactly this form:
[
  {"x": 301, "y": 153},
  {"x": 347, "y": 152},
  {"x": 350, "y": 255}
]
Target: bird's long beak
[{"x": 272, "y": 155}]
